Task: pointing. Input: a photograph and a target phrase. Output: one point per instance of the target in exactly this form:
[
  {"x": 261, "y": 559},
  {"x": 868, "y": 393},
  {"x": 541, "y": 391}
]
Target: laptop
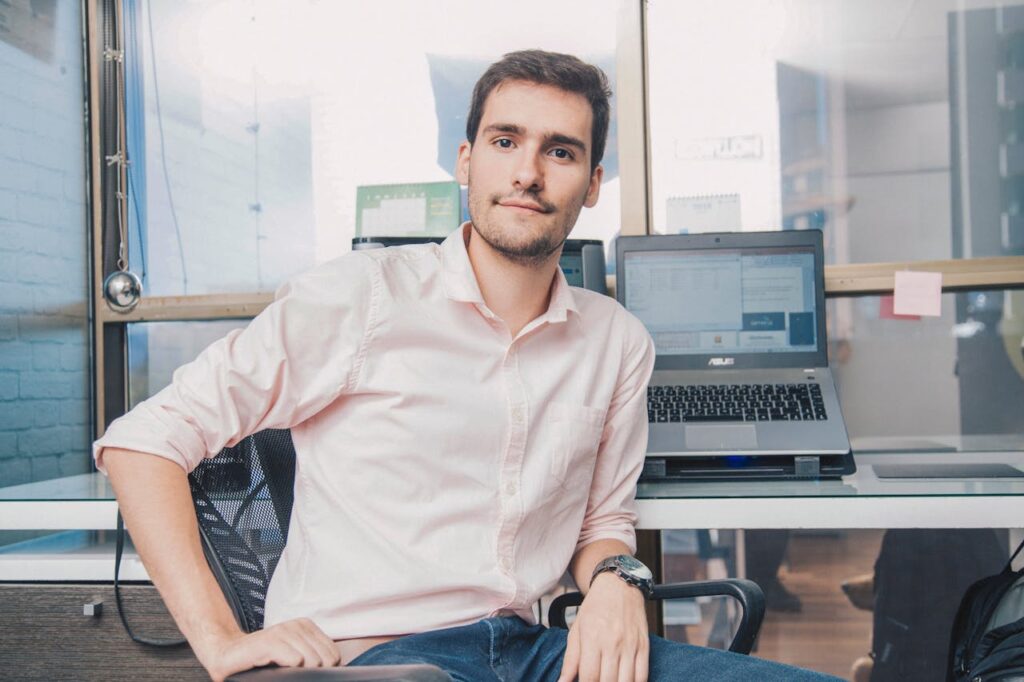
[{"x": 741, "y": 385}]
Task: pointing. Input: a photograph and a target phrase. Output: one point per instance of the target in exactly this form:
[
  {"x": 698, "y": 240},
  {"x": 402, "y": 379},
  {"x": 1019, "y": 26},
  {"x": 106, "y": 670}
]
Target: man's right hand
[{"x": 295, "y": 643}]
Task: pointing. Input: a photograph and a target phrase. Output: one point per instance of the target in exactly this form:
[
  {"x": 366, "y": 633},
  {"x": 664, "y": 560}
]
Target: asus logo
[{"x": 721, "y": 362}]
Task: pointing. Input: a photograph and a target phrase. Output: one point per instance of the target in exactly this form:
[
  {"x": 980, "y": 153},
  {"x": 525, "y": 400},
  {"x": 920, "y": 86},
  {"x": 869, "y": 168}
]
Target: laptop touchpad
[{"x": 721, "y": 437}]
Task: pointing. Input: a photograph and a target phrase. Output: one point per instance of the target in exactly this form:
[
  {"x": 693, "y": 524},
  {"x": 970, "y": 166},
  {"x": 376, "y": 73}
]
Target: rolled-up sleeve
[
  {"x": 291, "y": 361},
  {"x": 611, "y": 508}
]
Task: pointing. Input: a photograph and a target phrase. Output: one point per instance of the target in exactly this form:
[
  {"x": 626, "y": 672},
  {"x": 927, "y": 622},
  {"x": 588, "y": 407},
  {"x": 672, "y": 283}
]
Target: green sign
[{"x": 425, "y": 209}]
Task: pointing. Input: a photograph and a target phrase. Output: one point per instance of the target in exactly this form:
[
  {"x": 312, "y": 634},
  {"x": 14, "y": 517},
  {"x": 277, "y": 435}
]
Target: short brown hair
[{"x": 562, "y": 71}]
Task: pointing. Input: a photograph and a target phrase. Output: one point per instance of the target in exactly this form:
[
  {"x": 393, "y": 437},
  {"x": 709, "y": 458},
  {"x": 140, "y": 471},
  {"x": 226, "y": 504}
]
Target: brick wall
[{"x": 44, "y": 379}]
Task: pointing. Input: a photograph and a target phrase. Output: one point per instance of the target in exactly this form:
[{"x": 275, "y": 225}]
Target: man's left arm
[{"x": 609, "y": 638}]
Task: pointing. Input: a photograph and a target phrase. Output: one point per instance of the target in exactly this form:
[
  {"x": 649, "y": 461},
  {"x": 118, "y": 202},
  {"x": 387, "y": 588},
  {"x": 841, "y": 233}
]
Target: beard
[{"x": 502, "y": 235}]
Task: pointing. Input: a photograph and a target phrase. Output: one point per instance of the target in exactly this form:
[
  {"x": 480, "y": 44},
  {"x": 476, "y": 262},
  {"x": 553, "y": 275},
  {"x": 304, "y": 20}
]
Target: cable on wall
[{"x": 163, "y": 147}]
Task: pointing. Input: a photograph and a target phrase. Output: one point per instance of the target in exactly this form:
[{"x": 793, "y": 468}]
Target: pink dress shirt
[{"x": 446, "y": 472}]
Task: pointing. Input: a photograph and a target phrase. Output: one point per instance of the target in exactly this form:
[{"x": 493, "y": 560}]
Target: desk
[{"x": 862, "y": 500}]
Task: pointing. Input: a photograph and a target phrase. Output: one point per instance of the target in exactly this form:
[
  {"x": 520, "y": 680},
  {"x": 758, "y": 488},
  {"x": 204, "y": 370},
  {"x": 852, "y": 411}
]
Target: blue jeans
[{"x": 509, "y": 650}]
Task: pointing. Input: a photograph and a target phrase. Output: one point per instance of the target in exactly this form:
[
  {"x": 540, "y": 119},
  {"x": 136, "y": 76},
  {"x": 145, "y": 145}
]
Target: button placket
[{"x": 511, "y": 468}]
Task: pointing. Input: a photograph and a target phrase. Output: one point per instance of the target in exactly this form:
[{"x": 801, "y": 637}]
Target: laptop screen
[
  {"x": 727, "y": 300},
  {"x": 724, "y": 301}
]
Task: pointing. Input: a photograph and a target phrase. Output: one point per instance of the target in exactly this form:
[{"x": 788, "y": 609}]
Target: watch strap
[{"x": 613, "y": 565}]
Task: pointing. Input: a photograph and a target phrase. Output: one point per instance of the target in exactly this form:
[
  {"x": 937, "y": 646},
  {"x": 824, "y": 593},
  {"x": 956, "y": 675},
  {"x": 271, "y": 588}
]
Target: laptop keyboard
[{"x": 735, "y": 402}]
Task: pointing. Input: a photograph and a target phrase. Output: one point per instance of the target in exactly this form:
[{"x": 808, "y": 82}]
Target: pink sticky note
[
  {"x": 885, "y": 311},
  {"x": 918, "y": 293}
]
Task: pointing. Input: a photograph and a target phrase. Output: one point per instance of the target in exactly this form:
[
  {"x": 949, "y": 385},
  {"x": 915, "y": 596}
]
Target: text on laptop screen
[{"x": 724, "y": 301}]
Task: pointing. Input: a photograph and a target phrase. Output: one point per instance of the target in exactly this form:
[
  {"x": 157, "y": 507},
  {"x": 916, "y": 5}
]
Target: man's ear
[
  {"x": 594, "y": 188},
  {"x": 462, "y": 163}
]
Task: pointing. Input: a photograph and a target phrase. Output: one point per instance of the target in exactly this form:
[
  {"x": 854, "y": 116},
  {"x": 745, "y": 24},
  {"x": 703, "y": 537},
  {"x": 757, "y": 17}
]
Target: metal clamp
[
  {"x": 807, "y": 466},
  {"x": 93, "y": 608}
]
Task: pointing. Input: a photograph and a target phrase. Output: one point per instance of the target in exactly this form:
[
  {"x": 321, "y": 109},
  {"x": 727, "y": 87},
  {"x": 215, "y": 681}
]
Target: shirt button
[
  {"x": 510, "y": 489},
  {"x": 517, "y": 415}
]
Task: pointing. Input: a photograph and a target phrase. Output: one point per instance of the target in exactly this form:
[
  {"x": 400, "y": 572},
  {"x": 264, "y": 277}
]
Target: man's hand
[
  {"x": 294, "y": 643},
  {"x": 608, "y": 640}
]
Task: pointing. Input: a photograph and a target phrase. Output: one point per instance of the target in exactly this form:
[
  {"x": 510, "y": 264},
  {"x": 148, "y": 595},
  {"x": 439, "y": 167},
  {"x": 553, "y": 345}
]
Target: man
[{"x": 466, "y": 426}]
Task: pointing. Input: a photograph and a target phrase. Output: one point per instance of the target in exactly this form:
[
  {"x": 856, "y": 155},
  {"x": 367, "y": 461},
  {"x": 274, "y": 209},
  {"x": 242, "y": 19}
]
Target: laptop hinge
[{"x": 807, "y": 466}]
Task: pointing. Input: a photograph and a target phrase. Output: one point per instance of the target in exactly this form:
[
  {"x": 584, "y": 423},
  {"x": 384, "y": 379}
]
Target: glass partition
[
  {"x": 893, "y": 127},
  {"x": 961, "y": 374},
  {"x": 265, "y": 135},
  {"x": 834, "y": 596},
  {"x": 156, "y": 349}
]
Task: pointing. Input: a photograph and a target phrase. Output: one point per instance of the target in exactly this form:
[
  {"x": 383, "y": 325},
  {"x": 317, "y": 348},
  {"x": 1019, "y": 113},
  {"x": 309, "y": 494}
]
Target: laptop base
[{"x": 748, "y": 468}]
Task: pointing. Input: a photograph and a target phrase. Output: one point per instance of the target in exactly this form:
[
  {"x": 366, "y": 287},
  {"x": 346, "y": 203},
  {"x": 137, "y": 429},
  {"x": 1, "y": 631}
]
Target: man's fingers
[
  {"x": 281, "y": 653},
  {"x": 590, "y": 663},
  {"x": 571, "y": 660},
  {"x": 611, "y": 666},
  {"x": 296, "y": 638},
  {"x": 642, "y": 661},
  {"x": 323, "y": 644},
  {"x": 627, "y": 668}
]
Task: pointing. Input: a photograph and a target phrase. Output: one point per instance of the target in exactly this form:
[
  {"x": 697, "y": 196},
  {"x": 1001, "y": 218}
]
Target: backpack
[
  {"x": 920, "y": 576},
  {"x": 987, "y": 641}
]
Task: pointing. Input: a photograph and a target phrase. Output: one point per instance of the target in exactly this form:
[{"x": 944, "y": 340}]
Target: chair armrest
[
  {"x": 359, "y": 673},
  {"x": 746, "y": 592}
]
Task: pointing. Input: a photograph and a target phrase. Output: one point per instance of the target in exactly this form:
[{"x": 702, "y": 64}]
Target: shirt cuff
[
  {"x": 143, "y": 431},
  {"x": 626, "y": 536}
]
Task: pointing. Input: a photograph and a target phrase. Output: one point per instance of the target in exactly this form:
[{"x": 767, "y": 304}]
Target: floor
[{"x": 829, "y": 633}]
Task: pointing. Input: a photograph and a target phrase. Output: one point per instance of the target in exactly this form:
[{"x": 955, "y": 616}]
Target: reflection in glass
[
  {"x": 961, "y": 374},
  {"x": 252, "y": 125},
  {"x": 156, "y": 349},
  {"x": 893, "y": 127}
]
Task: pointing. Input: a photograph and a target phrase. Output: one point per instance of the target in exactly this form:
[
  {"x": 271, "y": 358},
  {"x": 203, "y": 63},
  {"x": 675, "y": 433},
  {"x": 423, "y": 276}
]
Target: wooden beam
[
  {"x": 182, "y": 308},
  {"x": 957, "y": 275},
  {"x": 840, "y": 280}
]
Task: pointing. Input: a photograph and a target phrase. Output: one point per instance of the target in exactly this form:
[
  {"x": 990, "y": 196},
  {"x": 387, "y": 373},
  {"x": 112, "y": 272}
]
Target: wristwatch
[{"x": 629, "y": 569}]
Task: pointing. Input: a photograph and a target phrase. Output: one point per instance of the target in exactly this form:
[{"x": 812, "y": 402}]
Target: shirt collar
[{"x": 460, "y": 281}]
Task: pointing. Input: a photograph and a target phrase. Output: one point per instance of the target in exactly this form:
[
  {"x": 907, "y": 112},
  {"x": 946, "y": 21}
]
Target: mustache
[{"x": 546, "y": 206}]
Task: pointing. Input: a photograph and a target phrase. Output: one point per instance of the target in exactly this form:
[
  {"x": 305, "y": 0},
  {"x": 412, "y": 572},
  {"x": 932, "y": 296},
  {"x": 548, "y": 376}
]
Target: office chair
[{"x": 243, "y": 499}]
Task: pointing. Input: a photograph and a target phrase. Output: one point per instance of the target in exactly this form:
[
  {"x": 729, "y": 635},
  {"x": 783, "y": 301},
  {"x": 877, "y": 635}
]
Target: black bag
[
  {"x": 920, "y": 576},
  {"x": 987, "y": 642}
]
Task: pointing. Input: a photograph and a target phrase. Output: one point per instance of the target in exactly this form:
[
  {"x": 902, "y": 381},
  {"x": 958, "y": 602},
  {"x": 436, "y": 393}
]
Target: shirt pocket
[{"x": 577, "y": 430}]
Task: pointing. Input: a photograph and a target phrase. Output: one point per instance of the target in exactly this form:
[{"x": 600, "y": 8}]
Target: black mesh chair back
[{"x": 243, "y": 499}]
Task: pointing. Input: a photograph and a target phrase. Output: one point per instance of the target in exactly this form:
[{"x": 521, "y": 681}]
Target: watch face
[{"x": 631, "y": 565}]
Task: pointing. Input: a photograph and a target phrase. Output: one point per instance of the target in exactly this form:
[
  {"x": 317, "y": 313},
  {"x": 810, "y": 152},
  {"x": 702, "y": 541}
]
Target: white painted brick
[
  {"x": 16, "y": 175},
  {"x": 9, "y": 145},
  {"x": 46, "y": 356},
  {"x": 8, "y": 266},
  {"x": 16, "y": 115},
  {"x": 15, "y": 298},
  {"x": 8, "y": 205},
  {"x": 44, "y": 385},
  {"x": 8, "y": 385},
  {"x": 36, "y": 210},
  {"x": 49, "y": 183}
]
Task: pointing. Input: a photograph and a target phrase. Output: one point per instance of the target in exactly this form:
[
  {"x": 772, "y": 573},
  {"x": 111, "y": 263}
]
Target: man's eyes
[{"x": 558, "y": 152}]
